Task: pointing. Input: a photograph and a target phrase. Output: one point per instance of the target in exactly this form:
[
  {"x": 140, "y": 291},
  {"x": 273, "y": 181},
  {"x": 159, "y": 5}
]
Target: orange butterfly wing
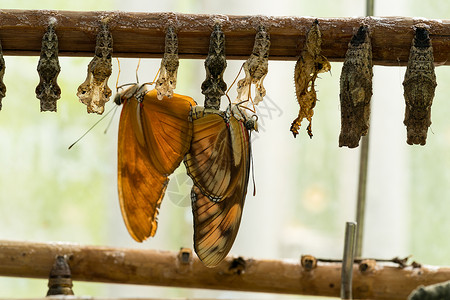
[
  {"x": 216, "y": 223},
  {"x": 167, "y": 129},
  {"x": 146, "y": 130}
]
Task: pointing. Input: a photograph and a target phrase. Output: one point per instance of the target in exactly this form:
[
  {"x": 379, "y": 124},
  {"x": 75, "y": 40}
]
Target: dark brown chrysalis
[
  {"x": 60, "y": 279},
  {"x": 94, "y": 91},
  {"x": 2, "y": 73},
  {"x": 167, "y": 80},
  {"x": 431, "y": 292},
  {"x": 255, "y": 68},
  {"x": 419, "y": 86},
  {"x": 48, "y": 91},
  {"x": 307, "y": 68},
  {"x": 214, "y": 86},
  {"x": 356, "y": 89}
]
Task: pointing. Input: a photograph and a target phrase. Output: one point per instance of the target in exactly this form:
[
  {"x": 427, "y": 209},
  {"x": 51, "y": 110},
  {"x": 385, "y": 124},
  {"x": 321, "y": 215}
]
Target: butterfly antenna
[
  {"x": 248, "y": 108},
  {"x": 253, "y": 169},
  {"x": 242, "y": 106},
  {"x": 251, "y": 99},
  {"x": 118, "y": 75},
  {"x": 137, "y": 68},
  {"x": 92, "y": 127},
  {"x": 239, "y": 73},
  {"x": 110, "y": 120},
  {"x": 154, "y": 80}
]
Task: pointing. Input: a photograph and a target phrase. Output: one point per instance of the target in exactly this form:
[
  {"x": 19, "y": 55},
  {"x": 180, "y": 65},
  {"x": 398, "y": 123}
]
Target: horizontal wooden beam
[
  {"x": 142, "y": 34},
  {"x": 182, "y": 269}
]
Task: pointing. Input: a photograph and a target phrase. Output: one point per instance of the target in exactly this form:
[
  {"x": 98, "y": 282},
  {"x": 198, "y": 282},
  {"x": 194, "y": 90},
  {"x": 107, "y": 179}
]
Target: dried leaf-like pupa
[
  {"x": 308, "y": 66},
  {"x": 356, "y": 89},
  {"x": 419, "y": 86},
  {"x": 255, "y": 68},
  {"x": 167, "y": 80},
  {"x": 94, "y": 91},
  {"x": 214, "y": 86},
  {"x": 2, "y": 73},
  {"x": 48, "y": 91}
]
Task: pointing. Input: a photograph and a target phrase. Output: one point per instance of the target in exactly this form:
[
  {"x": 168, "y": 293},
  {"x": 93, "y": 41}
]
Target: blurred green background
[{"x": 306, "y": 189}]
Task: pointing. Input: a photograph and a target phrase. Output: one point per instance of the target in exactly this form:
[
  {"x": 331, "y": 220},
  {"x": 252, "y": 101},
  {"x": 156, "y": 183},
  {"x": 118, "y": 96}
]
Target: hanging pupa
[
  {"x": 419, "y": 86},
  {"x": 2, "y": 73},
  {"x": 94, "y": 91},
  {"x": 214, "y": 86},
  {"x": 167, "y": 80},
  {"x": 255, "y": 68},
  {"x": 48, "y": 90},
  {"x": 356, "y": 89},
  {"x": 307, "y": 68}
]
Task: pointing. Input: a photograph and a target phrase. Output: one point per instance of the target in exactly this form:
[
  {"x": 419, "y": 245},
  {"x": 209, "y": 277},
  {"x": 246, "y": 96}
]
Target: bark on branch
[
  {"x": 181, "y": 269},
  {"x": 142, "y": 34}
]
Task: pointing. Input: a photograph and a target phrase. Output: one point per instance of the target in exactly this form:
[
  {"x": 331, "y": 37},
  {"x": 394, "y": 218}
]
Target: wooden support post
[
  {"x": 164, "y": 268},
  {"x": 142, "y": 34}
]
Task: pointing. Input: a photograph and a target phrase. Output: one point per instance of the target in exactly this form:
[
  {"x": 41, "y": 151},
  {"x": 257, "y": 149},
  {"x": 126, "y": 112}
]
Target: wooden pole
[
  {"x": 142, "y": 34},
  {"x": 165, "y": 268}
]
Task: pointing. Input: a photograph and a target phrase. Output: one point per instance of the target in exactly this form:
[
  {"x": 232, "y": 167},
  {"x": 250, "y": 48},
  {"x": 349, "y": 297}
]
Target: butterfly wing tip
[
  {"x": 141, "y": 237},
  {"x": 210, "y": 264}
]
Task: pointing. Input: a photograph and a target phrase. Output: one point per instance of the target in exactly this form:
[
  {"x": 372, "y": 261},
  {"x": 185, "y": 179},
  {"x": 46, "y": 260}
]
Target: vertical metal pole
[
  {"x": 362, "y": 184},
  {"x": 361, "y": 200},
  {"x": 347, "y": 261},
  {"x": 370, "y": 7}
]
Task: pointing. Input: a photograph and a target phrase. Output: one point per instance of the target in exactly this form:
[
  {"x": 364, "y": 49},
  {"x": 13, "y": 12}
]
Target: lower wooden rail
[{"x": 183, "y": 269}]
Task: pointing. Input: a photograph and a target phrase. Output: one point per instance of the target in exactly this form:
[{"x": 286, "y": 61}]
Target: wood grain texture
[
  {"x": 142, "y": 34},
  {"x": 165, "y": 268}
]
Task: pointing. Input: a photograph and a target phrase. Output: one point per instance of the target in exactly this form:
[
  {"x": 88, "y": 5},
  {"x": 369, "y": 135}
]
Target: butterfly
[
  {"x": 218, "y": 163},
  {"x": 154, "y": 136}
]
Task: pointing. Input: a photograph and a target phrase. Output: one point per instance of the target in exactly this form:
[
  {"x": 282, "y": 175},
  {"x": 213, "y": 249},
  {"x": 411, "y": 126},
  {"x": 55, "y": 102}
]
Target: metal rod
[
  {"x": 347, "y": 261},
  {"x": 370, "y": 7},
  {"x": 363, "y": 162},
  {"x": 361, "y": 197}
]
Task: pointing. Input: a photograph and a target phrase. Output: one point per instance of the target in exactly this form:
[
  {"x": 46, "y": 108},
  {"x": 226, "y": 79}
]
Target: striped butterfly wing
[
  {"x": 216, "y": 223},
  {"x": 142, "y": 135},
  {"x": 211, "y": 160}
]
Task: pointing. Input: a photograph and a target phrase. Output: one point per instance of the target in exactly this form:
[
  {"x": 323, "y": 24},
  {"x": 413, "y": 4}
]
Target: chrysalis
[
  {"x": 167, "y": 80},
  {"x": 308, "y": 66},
  {"x": 419, "y": 86},
  {"x": 94, "y": 91},
  {"x": 215, "y": 64},
  {"x": 60, "y": 279},
  {"x": 48, "y": 91},
  {"x": 2, "y": 73},
  {"x": 255, "y": 68},
  {"x": 356, "y": 89}
]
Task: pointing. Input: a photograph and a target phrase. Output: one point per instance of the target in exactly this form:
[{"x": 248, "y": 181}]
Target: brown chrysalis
[
  {"x": 255, "y": 68},
  {"x": 419, "y": 86},
  {"x": 356, "y": 89},
  {"x": 214, "y": 86},
  {"x": 307, "y": 68},
  {"x": 167, "y": 80},
  {"x": 48, "y": 91},
  {"x": 94, "y": 91},
  {"x": 60, "y": 279},
  {"x": 2, "y": 73}
]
